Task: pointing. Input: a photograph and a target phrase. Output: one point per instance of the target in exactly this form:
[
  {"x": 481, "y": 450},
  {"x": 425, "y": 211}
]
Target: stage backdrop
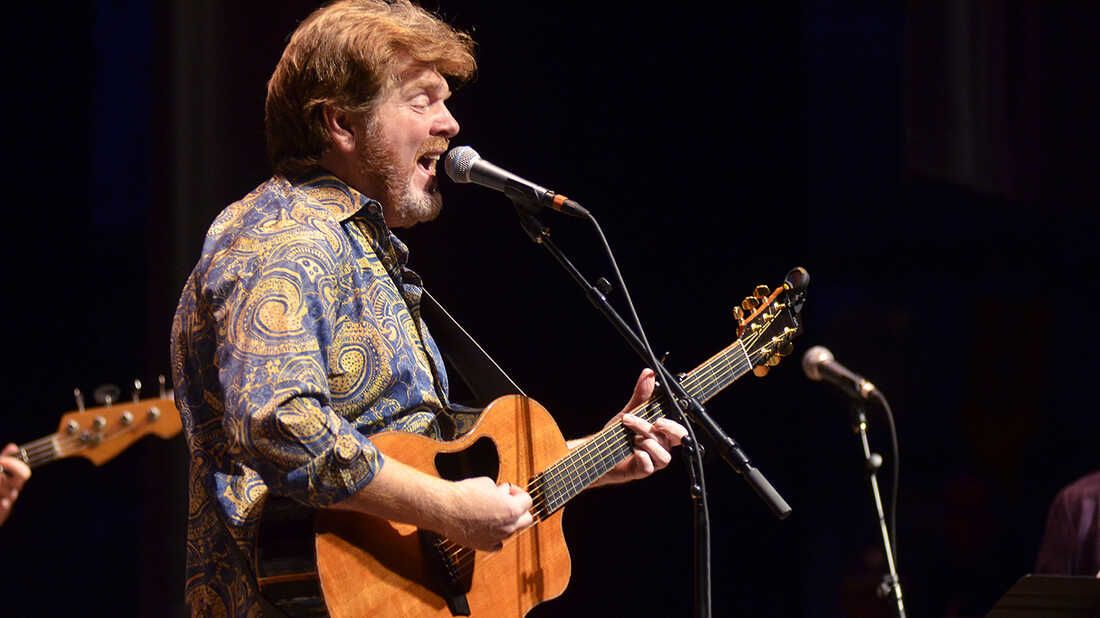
[{"x": 932, "y": 166}]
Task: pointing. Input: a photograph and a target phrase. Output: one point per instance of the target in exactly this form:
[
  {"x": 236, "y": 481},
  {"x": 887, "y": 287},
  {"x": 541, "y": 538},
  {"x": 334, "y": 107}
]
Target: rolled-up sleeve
[{"x": 275, "y": 327}]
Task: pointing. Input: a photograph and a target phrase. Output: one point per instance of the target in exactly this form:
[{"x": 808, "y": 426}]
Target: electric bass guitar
[
  {"x": 369, "y": 566},
  {"x": 99, "y": 434}
]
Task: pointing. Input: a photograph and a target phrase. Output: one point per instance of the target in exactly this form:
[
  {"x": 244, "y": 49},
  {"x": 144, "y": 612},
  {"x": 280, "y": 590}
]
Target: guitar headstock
[
  {"x": 99, "y": 434},
  {"x": 769, "y": 320}
]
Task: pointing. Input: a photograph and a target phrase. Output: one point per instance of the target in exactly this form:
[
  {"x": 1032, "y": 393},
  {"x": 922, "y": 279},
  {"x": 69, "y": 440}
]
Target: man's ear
[{"x": 341, "y": 128}]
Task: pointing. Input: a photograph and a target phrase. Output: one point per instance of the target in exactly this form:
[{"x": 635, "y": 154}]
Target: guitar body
[{"x": 374, "y": 567}]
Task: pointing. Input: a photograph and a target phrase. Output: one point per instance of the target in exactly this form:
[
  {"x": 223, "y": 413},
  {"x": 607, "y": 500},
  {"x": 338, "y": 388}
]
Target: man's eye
[{"x": 421, "y": 102}]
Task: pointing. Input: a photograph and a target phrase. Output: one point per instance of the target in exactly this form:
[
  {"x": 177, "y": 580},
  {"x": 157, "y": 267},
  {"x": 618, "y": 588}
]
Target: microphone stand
[
  {"x": 890, "y": 582},
  {"x": 689, "y": 410}
]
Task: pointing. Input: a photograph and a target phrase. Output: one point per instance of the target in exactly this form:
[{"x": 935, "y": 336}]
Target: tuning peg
[
  {"x": 739, "y": 315},
  {"x": 750, "y": 304},
  {"x": 136, "y": 393},
  {"x": 160, "y": 383},
  {"x": 106, "y": 394},
  {"x": 79, "y": 396},
  {"x": 760, "y": 371},
  {"x": 761, "y": 292},
  {"x": 785, "y": 349},
  {"x": 773, "y": 360}
]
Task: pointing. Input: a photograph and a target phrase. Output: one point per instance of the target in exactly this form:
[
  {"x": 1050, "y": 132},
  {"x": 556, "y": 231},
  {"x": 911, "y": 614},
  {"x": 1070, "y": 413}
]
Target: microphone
[
  {"x": 818, "y": 364},
  {"x": 463, "y": 165}
]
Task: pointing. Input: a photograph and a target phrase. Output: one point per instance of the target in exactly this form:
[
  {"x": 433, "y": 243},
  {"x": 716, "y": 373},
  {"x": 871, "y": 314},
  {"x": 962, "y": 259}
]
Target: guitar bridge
[{"x": 448, "y": 568}]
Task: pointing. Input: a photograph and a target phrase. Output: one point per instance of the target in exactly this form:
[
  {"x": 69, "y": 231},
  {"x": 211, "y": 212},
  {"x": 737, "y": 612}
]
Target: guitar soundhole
[{"x": 479, "y": 459}]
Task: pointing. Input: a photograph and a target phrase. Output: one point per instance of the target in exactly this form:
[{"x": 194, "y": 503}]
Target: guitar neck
[
  {"x": 42, "y": 451},
  {"x": 572, "y": 474}
]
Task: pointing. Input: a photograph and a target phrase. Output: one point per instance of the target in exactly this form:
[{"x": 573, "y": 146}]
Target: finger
[
  {"x": 524, "y": 501},
  {"x": 642, "y": 462},
  {"x": 10, "y": 449},
  {"x": 643, "y": 389},
  {"x": 518, "y": 499},
  {"x": 675, "y": 432},
  {"x": 638, "y": 425},
  {"x": 657, "y": 453},
  {"x": 524, "y": 522},
  {"x": 15, "y": 472}
]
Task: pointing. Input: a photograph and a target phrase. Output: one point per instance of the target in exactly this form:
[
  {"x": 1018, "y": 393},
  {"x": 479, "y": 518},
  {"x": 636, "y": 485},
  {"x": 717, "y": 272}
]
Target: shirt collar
[
  {"x": 339, "y": 199},
  {"x": 344, "y": 202}
]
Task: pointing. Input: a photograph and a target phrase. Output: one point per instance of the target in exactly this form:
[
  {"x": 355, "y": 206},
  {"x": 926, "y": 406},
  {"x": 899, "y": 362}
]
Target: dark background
[{"x": 933, "y": 165}]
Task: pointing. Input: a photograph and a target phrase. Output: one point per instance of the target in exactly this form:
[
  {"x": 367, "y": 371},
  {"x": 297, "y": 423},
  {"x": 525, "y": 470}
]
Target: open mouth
[{"x": 427, "y": 162}]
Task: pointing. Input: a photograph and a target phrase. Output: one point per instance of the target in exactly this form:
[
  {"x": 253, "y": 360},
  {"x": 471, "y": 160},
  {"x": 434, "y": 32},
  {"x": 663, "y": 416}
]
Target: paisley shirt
[{"x": 297, "y": 335}]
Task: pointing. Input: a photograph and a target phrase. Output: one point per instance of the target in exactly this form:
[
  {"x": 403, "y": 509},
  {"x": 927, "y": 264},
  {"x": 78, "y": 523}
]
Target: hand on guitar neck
[
  {"x": 653, "y": 442},
  {"x": 13, "y": 475}
]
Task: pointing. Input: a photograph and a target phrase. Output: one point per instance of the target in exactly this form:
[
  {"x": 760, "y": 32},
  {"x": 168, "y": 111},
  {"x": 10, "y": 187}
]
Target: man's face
[{"x": 408, "y": 132}]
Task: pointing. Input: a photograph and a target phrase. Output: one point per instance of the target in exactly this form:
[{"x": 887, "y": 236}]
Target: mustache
[{"x": 433, "y": 144}]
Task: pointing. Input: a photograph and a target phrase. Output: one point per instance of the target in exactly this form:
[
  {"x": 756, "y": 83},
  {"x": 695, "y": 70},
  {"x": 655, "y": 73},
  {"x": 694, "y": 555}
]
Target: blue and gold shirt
[{"x": 297, "y": 335}]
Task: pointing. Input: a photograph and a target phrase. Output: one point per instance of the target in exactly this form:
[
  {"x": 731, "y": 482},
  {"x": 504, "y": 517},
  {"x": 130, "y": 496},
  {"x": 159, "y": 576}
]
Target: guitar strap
[
  {"x": 486, "y": 381},
  {"x": 478, "y": 370}
]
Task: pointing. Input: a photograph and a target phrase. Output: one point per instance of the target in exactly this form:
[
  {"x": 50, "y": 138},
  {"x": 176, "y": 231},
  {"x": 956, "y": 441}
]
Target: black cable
[
  {"x": 705, "y": 516},
  {"x": 896, "y": 465}
]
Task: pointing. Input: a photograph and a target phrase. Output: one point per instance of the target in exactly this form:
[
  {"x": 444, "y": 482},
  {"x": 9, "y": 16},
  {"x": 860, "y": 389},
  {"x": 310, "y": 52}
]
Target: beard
[{"x": 403, "y": 204}]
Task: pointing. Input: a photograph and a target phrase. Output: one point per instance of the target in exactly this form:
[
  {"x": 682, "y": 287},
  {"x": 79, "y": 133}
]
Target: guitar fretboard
[{"x": 562, "y": 481}]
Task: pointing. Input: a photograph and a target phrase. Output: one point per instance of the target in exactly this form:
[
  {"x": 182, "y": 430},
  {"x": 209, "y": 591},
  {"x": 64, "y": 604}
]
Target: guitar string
[
  {"x": 63, "y": 443},
  {"x": 40, "y": 450},
  {"x": 609, "y": 441},
  {"x": 598, "y": 446},
  {"x": 50, "y": 447},
  {"x": 703, "y": 376},
  {"x": 568, "y": 467},
  {"x": 462, "y": 559}
]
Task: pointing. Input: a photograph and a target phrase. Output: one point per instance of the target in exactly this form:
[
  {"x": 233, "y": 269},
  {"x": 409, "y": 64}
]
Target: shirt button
[{"x": 346, "y": 449}]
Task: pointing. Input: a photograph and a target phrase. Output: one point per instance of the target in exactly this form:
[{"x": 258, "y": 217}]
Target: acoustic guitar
[
  {"x": 369, "y": 566},
  {"x": 99, "y": 434}
]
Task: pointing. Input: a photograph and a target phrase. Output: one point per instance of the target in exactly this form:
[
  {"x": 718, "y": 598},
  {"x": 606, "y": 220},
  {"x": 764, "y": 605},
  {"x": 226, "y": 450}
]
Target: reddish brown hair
[{"x": 343, "y": 55}]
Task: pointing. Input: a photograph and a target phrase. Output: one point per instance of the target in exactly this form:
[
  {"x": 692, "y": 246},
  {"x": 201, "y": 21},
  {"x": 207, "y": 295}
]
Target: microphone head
[
  {"x": 812, "y": 360},
  {"x": 459, "y": 161}
]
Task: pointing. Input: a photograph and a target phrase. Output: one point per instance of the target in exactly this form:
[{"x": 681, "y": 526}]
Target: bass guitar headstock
[
  {"x": 99, "y": 434},
  {"x": 769, "y": 320}
]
